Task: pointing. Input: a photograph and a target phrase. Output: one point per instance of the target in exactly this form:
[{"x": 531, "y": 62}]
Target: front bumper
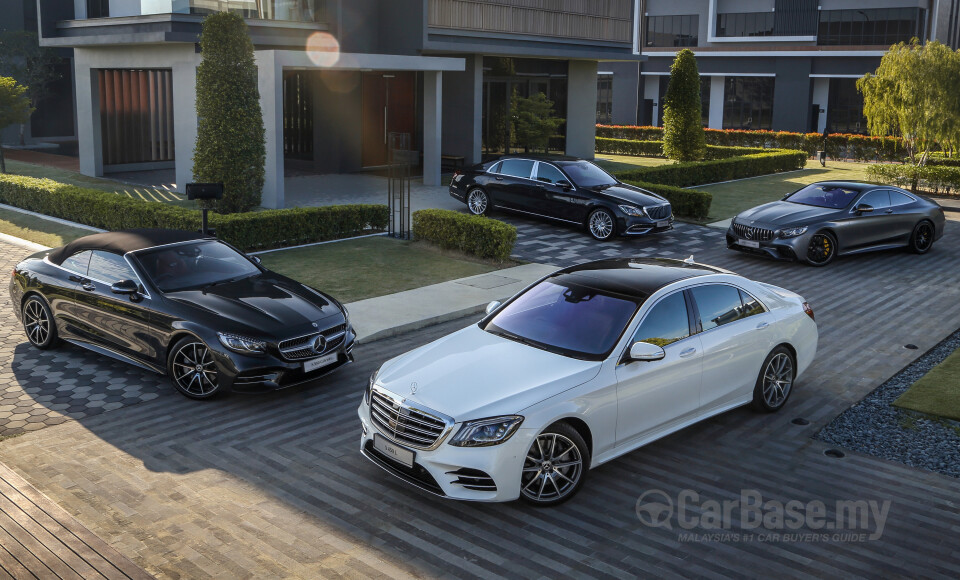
[
  {"x": 787, "y": 249},
  {"x": 270, "y": 372},
  {"x": 490, "y": 474},
  {"x": 638, "y": 226}
]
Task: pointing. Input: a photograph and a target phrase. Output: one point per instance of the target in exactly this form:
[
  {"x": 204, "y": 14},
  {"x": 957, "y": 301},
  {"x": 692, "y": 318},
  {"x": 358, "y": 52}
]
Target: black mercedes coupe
[
  {"x": 185, "y": 305},
  {"x": 569, "y": 190}
]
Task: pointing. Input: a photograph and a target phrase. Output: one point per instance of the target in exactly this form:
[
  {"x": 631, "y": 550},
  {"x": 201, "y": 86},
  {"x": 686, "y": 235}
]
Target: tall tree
[
  {"x": 915, "y": 95},
  {"x": 33, "y": 66},
  {"x": 14, "y": 108},
  {"x": 533, "y": 121},
  {"x": 230, "y": 145},
  {"x": 683, "y": 137}
]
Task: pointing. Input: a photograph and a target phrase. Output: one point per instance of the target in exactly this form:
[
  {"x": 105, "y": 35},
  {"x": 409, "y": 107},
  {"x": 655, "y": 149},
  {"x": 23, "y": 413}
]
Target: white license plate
[
  {"x": 749, "y": 243},
  {"x": 663, "y": 223},
  {"x": 314, "y": 364},
  {"x": 394, "y": 452}
]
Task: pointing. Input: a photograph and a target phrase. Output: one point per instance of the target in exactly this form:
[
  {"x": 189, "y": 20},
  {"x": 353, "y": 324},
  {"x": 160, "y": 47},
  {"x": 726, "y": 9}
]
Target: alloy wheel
[
  {"x": 601, "y": 225},
  {"x": 477, "y": 202},
  {"x": 36, "y": 322},
  {"x": 194, "y": 370},
  {"x": 552, "y": 469},
  {"x": 821, "y": 249},
  {"x": 777, "y": 380},
  {"x": 923, "y": 238}
]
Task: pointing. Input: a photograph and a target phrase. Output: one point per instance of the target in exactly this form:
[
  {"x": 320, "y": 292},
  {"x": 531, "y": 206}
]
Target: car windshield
[
  {"x": 194, "y": 265},
  {"x": 586, "y": 174},
  {"x": 818, "y": 195},
  {"x": 564, "y": 317}
]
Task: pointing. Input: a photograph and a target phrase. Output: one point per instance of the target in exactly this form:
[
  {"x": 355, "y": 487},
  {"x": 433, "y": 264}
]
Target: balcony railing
[
  {"x": 602, "y": 20},
  {"x": 288, "y": 10}
]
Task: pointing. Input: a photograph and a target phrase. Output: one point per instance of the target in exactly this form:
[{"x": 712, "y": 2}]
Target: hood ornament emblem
[
  {"x": 413, "y": 388},
  {"x": 315, "y": 325}
]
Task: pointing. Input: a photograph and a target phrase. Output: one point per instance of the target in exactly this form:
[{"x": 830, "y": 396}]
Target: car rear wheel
[
  {"x": 555, "y": 467},
  {"x": 775, "y": 382},
  {"x": 601, "y": 224},
  {"x": 38, "y": 323},
  {"x": 192, "y": 369},
  {"x": 922, "y": 239},
  {"x": 478, "y": 202},
  {"x": 822, "y": 249}
]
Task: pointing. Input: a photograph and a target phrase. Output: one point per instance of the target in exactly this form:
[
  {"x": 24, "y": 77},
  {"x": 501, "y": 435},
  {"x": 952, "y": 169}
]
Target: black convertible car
[
  {"x": 182, "y": 304},
  {"x": 571, "y": 190}
]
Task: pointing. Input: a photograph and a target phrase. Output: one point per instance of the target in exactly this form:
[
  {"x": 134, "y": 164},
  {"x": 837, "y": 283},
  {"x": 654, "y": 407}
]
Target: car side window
[
  {"x": 876, "y": 199},
  {"x": 897, "y": 198},
  {"x": 718, "y": 304},
  {"x": 666, "y": 323},
  {"x": 549, "y": 174},
  {"x": 78, "y": 262},
  {"x": 109, "y": 268},
  {"x": 751, "y": 306},
  {"x": 516, "y": 168}
]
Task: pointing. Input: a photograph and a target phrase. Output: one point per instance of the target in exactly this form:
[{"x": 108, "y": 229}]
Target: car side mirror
[
  {"x": 863, "y": 208},
  {"x": 493, "y": 306},
  {"x": 125, "y": 287},
  {"x": 256, "y": 260},
  {"x": 644, "y": 351},
  {"x": 566, "y": 185}
]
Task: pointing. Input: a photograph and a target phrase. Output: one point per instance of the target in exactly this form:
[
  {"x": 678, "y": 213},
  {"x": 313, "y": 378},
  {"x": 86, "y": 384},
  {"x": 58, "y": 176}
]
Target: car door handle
[
  {"x": 498, "y": 178},
  {"x": 762, "y": 325},
  {"x": 687, "y": 352},
  {"x": 88, "y": 285},
  {"x": 888, "y": 211}
]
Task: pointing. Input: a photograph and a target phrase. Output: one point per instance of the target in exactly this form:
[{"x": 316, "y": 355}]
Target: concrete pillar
[
  {"x": 716, "y": 102},
  {"x": 821, "y": 96},
  {"x": 462, "y": 115},
  {"x": 270, "y": 77},
  {"x": 651, "y": 91},
  {"x": 87, "y": 90},
  {"x": 791, "y": 94},
  {"x": 432, "y": 126},
  {"x": 626, "y": 90},
  {"x": 184, "y": 119},
  {"x": 581, "y": 108},
  {"x": 476, "y": 68}
]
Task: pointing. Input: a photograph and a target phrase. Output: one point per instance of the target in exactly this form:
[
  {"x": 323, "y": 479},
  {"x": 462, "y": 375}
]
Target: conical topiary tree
[
  {"x": 683, "y": 138},
  {"x": 230, "y": 136}
]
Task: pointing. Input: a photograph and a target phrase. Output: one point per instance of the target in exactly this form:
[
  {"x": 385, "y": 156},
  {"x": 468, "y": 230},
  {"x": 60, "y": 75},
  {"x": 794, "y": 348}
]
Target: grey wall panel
[
  {"x": 626, "y": 90},
  {"x": 791, "y": 95},
  {"x": 845, "y": 65},
  {"x": 461, "y": 109}
]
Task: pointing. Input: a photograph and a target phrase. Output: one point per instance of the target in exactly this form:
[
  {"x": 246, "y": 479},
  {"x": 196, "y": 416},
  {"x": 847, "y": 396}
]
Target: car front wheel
[
  {"x": 555, "y": 467},
  {"x": 775, "y": 382},
  {"x": 822, "y": 249},
  {"x": 38, "y": 323},
  {"x": 192, "y": 369},
  {"x": 601, "y": 224}
]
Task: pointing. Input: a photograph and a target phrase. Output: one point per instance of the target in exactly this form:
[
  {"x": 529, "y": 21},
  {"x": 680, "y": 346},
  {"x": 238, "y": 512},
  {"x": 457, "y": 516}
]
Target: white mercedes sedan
[{"x": 587, "y": 364}]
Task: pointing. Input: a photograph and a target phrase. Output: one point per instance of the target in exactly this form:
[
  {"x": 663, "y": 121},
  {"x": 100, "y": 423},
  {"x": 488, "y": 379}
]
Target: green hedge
[
  {"x": 686, "y": 203},
  {"x": 477, "y": 235},
  {"x": 655, "y": 148},
  {"x": 248, "y": 231},
  {"x": 714, "y": 171},
  {"x": 935, "y": 179},
  {"x": 840, "y": 145}
]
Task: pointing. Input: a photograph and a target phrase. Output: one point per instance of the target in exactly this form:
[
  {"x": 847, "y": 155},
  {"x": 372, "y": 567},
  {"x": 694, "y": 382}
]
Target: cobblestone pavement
[{"x": 275, "y": 486}]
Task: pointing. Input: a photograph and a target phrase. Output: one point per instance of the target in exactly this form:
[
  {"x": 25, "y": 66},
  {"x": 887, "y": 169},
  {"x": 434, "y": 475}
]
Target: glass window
[
  {"x": 195, "y": 265},
  {"x": 680, "y": 30},
  {"x": 745, "y": 24},
  {"x": 751, "y": 305},
  {"x": 666, "y": 323},
  {"x": 718, "y": 305},
  {"x": 549, "y": 174},
  {"x": 876, "y": 199},
  {"x": 823, "y": 196},
  {"x": 748, "y": 103},
  {"x": 897, "y": 198},
  {"x": 516, "y": 168},
  {"x": 870, "y": 26},
  {"x": 586, "y": 174},
  {"x": 78, "y": 262},
  {"x": 109, "y": 268},
  {"x": 562, "y": 315}
]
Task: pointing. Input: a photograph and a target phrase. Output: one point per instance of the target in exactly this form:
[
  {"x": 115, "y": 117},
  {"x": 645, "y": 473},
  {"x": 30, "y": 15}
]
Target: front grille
[
  {"x": 302, "y": 347},
  {"x": 752, "y": 233},
  {"x": 405, "y": 424},
  {"x": 473, "y": 479},
  {"x": 658, "y": 212}
]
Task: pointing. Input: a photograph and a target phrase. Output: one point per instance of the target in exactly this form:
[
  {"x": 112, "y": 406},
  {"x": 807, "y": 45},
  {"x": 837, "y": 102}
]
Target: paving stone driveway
[{"x": 274, "y": 486}]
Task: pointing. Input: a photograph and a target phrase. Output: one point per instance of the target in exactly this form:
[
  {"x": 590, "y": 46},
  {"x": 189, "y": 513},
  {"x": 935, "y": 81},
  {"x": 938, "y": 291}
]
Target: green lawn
[
  {"x": 38, "y": 230},
  {"x": 364, "y": 268},
  {"x": 729, "y": 199},
  {"x": 78, "y": 179},
  {"x": 937, "y": 392},
  {"x": 616, "y": 163}
]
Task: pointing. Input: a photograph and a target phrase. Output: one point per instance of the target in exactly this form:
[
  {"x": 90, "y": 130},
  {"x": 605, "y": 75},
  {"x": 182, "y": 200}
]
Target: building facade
[
  {"x": 344, "y": 85},
  {"x": 787, "y": 65}
]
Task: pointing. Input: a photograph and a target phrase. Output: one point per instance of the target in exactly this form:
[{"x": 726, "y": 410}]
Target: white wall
[
  {"x": 821, "y": 95},
  {"x": 651, "y": 90},
  {"x": 124, "y": 8},
  {"x": 716, "y": 102}
]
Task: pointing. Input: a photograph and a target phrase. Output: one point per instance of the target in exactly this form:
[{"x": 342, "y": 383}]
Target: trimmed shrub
[
  {"x": 935, "y": 179},
  {"x": 682, "y": 115},
  {"x": 702, "y": 172},
  {"x": 655, "y": 149},
  {"x": 477, "y": 235},
  {"x": 248, "y": 231},
  {"x": 686, "y": 203}
]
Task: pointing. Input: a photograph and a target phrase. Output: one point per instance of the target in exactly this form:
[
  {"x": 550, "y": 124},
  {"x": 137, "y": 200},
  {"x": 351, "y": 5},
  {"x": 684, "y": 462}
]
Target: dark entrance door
[{"x": 389, "y": 107}]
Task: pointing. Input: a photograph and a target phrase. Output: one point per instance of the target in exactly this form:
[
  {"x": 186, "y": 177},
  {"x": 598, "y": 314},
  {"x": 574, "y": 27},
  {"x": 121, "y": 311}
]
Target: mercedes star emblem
[{"x": 320, "y": 343}]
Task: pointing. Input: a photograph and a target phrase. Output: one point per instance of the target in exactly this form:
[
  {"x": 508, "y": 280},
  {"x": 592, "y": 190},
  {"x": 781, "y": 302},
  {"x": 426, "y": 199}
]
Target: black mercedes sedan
[
  {"x": 185, "y": 305},
  {"x": 823, "y": 220},
  {"x": 570, "y": 190}
]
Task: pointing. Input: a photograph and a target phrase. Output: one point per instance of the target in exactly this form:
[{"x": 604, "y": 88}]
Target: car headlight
[
  {"x": 632, "y": 211},
  {"x": 242, "y": 344},
  {"x": 792, "y": 232},
  {"x": 484, "y": 432},
  {"x": 369, "y": 391}
]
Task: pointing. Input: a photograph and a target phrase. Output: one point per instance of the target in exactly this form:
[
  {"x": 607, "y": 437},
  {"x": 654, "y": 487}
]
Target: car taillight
[
  {"x": 456, "y": 173},
  {"x": 809, "y": 311}
]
